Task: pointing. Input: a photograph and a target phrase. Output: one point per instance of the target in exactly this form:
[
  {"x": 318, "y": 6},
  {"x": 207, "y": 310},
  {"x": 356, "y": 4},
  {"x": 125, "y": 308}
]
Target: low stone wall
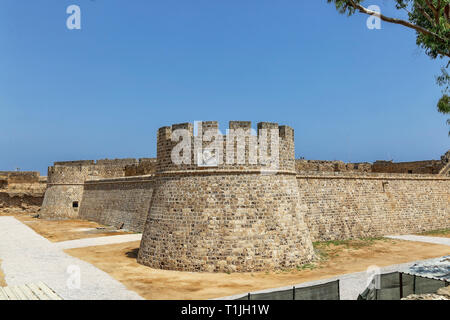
[
  {"x": 342, "y": 206},
  {"x": 121, "y": 202},
  {"x": 20, "y": 202},
  {"x": 21, "y": 191}
]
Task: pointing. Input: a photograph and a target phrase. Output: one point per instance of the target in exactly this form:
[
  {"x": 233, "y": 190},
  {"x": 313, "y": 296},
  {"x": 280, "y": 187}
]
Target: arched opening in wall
[{"x": 75, "y": 205}]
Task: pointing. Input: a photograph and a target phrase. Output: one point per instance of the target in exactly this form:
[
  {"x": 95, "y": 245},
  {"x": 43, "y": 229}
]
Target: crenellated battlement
[
  {"x": 227, "y": 202},
  {"x": 202, "y": 146},
  {"x": 100, "y": 162},
  {"x": 76, "y": 172}
]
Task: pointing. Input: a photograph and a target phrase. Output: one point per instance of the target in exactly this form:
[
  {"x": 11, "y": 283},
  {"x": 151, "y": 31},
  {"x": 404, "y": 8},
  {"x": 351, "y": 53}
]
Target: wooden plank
[
  {"x": 39, "y": 291},
  {"x": 19, "y": 294},
  {"x": 3, "y": 295},
  {"x": 9, "y": 293},
  {"x": 49, "y": 292},
  {"x": 28, "y": 293},
  {"x": 35, "y": 289}
]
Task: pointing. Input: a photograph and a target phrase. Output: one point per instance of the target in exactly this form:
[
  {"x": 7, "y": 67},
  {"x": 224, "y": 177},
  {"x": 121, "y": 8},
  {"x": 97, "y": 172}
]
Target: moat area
[{"x": 116, "y": 267}]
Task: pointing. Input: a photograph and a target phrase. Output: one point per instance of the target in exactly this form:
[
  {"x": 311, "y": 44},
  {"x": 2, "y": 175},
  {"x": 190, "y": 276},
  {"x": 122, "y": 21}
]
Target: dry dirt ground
[
  {"x": 437, "y": 233},
  {"x": 63, "y": 230},
  {"x": 335, "y": 258},
  {"x": 2, "y": 276}
]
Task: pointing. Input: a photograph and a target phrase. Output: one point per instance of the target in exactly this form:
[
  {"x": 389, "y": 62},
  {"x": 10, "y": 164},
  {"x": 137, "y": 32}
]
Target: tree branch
[
  {"x": 434, "y": 9},
  {"x": 426, "y": 15},
  {"x": 407, "y": 24}
]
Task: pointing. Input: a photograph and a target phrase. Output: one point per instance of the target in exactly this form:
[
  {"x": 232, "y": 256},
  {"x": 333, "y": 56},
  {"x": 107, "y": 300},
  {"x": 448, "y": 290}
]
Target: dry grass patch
[
  {"x": 445, "y": 233},
  {"x": 335, "y": 258},
  {"x": 63, "y": 230},
  {"x": 2, "y": 276}
]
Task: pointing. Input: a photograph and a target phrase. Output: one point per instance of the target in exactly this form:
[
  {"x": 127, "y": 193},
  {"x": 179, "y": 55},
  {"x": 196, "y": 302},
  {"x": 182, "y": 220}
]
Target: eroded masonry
[
  {"x": 235, "y": 216},
  {"x": 21, "y": 191}
]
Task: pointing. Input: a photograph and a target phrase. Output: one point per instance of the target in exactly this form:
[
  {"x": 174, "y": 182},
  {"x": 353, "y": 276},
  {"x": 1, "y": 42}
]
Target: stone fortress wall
[
  {"x": 230, "y": 217},
  {"x": 21, "y": 191},
  {"x": 345, "y": 205}
]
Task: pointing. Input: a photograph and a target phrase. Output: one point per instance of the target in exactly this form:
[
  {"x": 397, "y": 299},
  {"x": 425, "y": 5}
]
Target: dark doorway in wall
[
  {"x": 410, "y": 171},
  {"x": 75, "y": 204}
]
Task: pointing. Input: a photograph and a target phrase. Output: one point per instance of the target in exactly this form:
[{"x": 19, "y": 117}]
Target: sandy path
[
  {"x": 29, "y": 258},
  {"x": 65, "y": 230},
  {"x": 89, "y": 242},
  {"x": 428, "y": 239}
]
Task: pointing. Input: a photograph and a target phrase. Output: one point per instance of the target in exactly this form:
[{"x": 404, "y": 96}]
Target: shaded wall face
[
  {"x": 123, "y": 203},
  {"x": 417, "y": 167},
  {"x": 361, "y": 207},
  {"x": 217, "y": 223}
]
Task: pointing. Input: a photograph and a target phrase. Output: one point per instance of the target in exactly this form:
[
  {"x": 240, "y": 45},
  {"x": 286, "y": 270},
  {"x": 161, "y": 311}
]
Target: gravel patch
[
  {"x": 438, "y": 268},
  {"x": 435, "y": 240},
  {"x": 30, "y": 258}
]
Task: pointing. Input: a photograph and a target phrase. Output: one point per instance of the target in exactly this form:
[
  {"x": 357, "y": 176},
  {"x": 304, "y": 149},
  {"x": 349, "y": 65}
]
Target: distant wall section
[
  {"x": 145, "y": 166},
  {"x": 21, "y": 191},
  {"x": 414, "y": 167},
  {"x": 331, "y": 166},
  {"x": 64, "y": 193}
]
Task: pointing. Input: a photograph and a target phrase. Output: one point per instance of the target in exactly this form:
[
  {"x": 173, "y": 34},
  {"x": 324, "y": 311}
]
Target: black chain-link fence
[
  {"x": 325, "y": 291},
  {"x": 397, "y": 285},
  {"x": 388, "y": 286}
]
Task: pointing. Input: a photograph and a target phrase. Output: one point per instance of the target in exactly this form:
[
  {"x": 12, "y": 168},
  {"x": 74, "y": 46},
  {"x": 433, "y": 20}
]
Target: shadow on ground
[{"x": 133, "y": 253}]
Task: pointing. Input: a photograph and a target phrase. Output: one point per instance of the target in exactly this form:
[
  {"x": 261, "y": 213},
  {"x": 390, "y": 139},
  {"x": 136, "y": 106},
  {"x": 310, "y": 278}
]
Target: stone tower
[
  {"x": 65, "y": 184},
  {"x": 239, "y": 212}
]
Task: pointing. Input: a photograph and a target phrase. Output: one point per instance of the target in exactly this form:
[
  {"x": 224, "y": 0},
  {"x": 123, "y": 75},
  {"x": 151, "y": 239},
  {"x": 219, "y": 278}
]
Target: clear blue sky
[{"x": 350, "y": 93}]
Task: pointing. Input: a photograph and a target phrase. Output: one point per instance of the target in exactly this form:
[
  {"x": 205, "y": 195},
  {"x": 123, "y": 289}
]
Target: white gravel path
[
  {"x": 89, "y": 242},
  {"x": 436, "y": 240},
  {"x": 29, "y": 258}
]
